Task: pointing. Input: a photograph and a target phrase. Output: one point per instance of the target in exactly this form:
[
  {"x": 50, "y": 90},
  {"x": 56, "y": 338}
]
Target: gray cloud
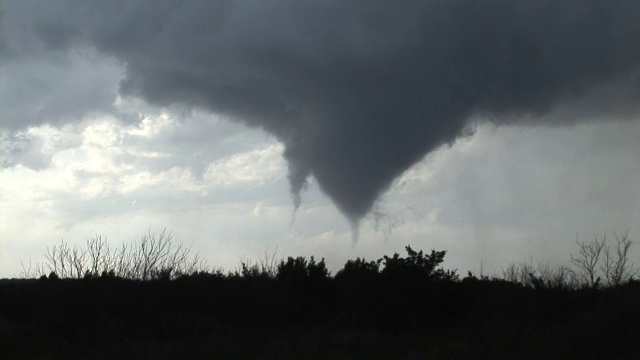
[
  {"x": 57, "y": 87},
  {"x": 359, "y": 91}
]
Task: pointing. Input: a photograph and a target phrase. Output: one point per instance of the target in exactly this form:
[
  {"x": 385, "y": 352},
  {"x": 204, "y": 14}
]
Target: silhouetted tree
[
  {"x": 152, "y": 257},
  {"x": 417, "y": 265},
  {"x": 588, "y": 258},
  {"x": 597, "y": 261},
  {"x": 616, "y": 267},
  {"x": 359, "y": 269},
  {"x": 299, "y": 270}
]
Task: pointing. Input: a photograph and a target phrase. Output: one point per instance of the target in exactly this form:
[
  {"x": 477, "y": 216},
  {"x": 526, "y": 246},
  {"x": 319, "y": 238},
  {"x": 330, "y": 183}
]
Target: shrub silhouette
[
  {"x": 359, "y": 270},
  {"x": 359, "y": 285},
  {"x": 306, "y": 285},
  {"x": 417, "y": 265},
  {"x": 298, "y": 271}
]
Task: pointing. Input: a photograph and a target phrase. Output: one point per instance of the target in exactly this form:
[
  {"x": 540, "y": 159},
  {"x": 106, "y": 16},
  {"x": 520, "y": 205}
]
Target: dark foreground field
[{"x": 212, "y": 316}]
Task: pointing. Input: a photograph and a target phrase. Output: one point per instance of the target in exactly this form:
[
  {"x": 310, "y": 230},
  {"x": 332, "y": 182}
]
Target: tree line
[
  {"x": 151, "y": 299},
  {"x": 603, "y": 261}
]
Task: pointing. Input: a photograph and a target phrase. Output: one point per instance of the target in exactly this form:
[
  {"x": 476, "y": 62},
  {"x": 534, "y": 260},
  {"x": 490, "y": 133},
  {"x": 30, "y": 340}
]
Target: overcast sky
[{"x": 499, "y": 131}]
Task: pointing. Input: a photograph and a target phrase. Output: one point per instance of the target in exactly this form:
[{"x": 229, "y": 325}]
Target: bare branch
[
  {"x": 150, "y": 257},
  {"x": 587, "y": 259},
  {"x": 616, "y": 268}
]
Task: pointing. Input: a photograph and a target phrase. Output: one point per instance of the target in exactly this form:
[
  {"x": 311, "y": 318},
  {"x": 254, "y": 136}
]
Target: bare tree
[
  {"x": 99, "y": 255},
  {"x": 598, "y": 261},
  {"x": 555, "y": 277},
  {"x": 588, "y": 257},
  {"x": 616, "y": 268},
  {"x": 265, "y": 266},
  {"x": 518, "y": 272},
  {"x": 151, "y": 257},
  {"x": 33, "y": 270},
  {"x": 156, "y": 257},
  {"x": 269, "y": 262},
  {"x": 64, "y": 260},
  {"x": 544, "y": 275}
]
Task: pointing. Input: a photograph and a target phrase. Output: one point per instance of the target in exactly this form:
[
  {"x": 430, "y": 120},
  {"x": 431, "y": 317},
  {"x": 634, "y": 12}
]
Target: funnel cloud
[{"x": 357, "y": 91}]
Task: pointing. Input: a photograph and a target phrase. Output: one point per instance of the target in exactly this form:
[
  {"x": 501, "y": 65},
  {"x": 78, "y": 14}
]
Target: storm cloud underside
[{"x": 356, "y": 91}]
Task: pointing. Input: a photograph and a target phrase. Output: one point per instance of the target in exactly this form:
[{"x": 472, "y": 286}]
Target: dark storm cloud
[{"x": 358, "y": 91}]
